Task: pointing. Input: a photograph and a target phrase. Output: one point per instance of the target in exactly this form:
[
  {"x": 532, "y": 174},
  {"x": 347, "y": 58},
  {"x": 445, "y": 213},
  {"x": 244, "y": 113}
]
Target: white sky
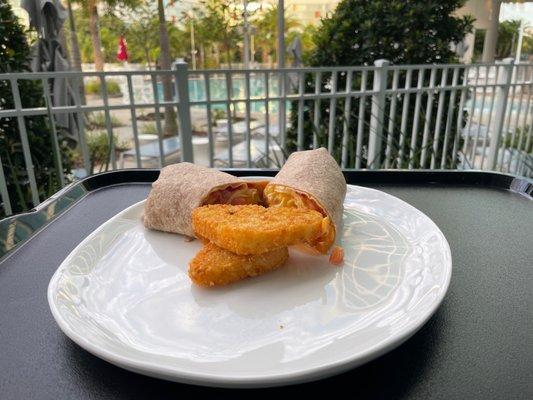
[
  {"x": 508, "y": 10},
  {"x": 517, "y": 11}
]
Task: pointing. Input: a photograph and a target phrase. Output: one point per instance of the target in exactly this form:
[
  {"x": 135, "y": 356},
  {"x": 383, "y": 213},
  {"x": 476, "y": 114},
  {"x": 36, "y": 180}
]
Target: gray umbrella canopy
[
  {"x": 47, "y": 17},
  {"x": 295, "y": 50}
]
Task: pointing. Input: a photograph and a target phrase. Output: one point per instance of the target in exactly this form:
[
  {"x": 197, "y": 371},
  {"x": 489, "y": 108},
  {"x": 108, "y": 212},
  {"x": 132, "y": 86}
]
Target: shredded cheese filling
[
  {"x": 234, "y": 195},
  {"x": 282, "y": 196}
]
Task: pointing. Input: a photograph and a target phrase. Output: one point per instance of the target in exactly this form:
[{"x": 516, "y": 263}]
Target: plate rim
[{"x": 248, "y": 381}]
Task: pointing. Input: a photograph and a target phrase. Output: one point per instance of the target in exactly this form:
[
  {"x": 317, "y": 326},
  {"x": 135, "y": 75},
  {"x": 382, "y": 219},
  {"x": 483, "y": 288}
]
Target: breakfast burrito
[
  {"x": 311, "y": 180},
  {"x": 183, "y": 187}
]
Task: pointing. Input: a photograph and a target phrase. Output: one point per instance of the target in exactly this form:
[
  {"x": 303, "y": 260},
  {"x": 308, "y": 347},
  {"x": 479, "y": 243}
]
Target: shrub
[
  {"x": 14, "y": 57},
  {"x": 360, "y": 32},
  {"x": 97, "y": 120},
  {"x": 149, "y": 129},
  {"x": 100, "y": 151},
  {"x": 94, "y": 86},
  {"x": 519, "y": 141},
  {"x": 218, "y": 113}
]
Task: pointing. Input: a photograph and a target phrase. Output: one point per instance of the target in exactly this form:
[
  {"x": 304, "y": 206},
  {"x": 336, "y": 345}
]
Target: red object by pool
[{"x": 122, "y": 52}]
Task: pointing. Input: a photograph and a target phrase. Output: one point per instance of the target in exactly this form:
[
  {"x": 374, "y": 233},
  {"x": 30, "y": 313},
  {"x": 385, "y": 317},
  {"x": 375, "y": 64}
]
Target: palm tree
[
  {"x": 75, "y": 56},
  {"x": 220, "y": 22},
  {"x": 74, "y": 53},
  {"x": 171, "y": 128},
  {"x": 266, "y": 35},
  {"x": 94, "y": 30}
]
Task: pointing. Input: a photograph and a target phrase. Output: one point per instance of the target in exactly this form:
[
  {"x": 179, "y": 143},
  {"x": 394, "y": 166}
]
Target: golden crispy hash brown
[
  {"x": 254, "y": 229},
  {"x": 213, "y": 266}
]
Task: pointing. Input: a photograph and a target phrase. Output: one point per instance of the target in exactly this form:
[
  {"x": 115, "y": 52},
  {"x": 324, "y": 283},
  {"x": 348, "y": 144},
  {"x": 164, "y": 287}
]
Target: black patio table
[{"x": 478, "y": 345}]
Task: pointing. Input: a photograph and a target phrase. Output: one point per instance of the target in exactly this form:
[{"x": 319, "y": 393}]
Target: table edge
[{"x": 83, "y": 187}]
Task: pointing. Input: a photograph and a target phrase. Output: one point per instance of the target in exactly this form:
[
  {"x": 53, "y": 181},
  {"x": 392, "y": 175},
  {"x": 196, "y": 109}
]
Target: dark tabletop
[{"x": 478, "y": 345}]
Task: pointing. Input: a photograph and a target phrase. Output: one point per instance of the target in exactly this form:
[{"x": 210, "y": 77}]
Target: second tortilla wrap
[
  {"x": 183, "y": 187},
  {"x": 315, "y": 175}
]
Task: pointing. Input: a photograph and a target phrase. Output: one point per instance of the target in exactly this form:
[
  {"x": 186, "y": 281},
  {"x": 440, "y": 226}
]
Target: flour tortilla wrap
[
  {"x": 180, "y": 189},
  {"x": 316, "y": 174}
]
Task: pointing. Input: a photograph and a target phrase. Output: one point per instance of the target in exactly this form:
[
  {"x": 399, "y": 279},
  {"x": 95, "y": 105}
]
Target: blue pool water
[{"x": 218, "y": 91}]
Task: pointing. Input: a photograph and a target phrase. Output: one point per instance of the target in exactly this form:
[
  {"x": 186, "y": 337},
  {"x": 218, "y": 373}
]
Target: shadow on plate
[{"x": 303, "y": 280}]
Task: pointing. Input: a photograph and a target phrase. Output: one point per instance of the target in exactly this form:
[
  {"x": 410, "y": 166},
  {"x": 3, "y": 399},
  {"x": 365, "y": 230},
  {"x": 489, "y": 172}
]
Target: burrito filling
[
  {"x": 235, "y": 195},
  {"x": 283, "y": 196}
]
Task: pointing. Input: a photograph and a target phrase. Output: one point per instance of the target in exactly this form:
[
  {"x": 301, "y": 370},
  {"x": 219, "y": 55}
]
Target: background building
[
  {"x": 488, "y": 14},
  {"x": 309, "y": 11}
]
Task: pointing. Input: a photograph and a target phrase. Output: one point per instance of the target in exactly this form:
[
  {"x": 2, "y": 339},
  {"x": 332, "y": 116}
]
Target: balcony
[{"x": 465, "y": 117}]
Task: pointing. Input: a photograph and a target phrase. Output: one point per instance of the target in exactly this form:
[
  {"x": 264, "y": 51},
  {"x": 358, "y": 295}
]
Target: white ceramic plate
[{"x": 124, "y": 295}]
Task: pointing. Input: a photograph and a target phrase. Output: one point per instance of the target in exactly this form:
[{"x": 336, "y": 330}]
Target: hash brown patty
[
  {"x": 213, "y": 266},
  {"x": 254, "y": 229}
]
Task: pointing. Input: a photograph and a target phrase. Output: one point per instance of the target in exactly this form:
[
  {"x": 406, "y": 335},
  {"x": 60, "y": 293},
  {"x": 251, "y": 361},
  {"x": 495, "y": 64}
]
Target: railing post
[
  {"x": 184, "y": 110},
  {"x": 4, "y": 194},
  {"x": 505, "y": 74},
  {"x": 30, "y": 169},
  {"x": 78, "y": 84},
  {"x": 377, "y": 114},
  {"x": 282, "y": 111}
]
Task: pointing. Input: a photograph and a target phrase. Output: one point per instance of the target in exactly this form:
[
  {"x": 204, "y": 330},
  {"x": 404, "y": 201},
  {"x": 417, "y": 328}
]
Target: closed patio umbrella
[
  {"x": 47, "y": 17},
  {"x": 295, "y": 50}
]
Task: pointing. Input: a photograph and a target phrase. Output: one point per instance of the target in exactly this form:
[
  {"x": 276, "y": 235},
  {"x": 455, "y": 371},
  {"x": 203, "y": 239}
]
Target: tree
[
  {"x": 266, "y": 24},
  {"x": 507, "y": 38},
  {"x": 171, "y": 127},
  {"x": 362, "y": 31},
  {"x": 404, "y": 32},
  {"x": 74, "y": 48},
  {"x": 91, "y": 8},
  {"x": 94, "y": 30},
  {"x": 139, "y": 25},
  {"x": 308, "y": 45},
  {"x": 197, "y": 24},
  {"x": 142, "y": 34},
  {"x": 143, "y": 31},
  {"x": 179, "y": 42},
  {"x": 527, "y": 45},
  {"x": 110, "y": 28},
  {"x": 14, "y": 57},
  {"x": 221, "y": 20}
]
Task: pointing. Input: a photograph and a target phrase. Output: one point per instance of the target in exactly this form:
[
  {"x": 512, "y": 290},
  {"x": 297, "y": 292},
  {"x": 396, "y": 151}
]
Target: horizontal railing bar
[
  {"x": 68, "y": 109},
  {"x": 291, "y": 97},
  {"x": 33, "y": 76},
  {"x": 465, "y": 66},
  {"x": 356, "y": 93},
  {"x": 279, "y": 70},
  {"x": 528, "y": 82},
  {"x": 77, "y": 74},
  {"x": 222, "y": 71},
  {"x": 454, "y": 87}
]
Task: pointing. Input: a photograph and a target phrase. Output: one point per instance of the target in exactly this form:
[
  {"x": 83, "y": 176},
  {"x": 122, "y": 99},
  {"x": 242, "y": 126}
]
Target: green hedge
[{"x": 94, "y": 87}]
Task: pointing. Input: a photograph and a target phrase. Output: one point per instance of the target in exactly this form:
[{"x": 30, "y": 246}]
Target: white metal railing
[{"x": 381, "y": 116}]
